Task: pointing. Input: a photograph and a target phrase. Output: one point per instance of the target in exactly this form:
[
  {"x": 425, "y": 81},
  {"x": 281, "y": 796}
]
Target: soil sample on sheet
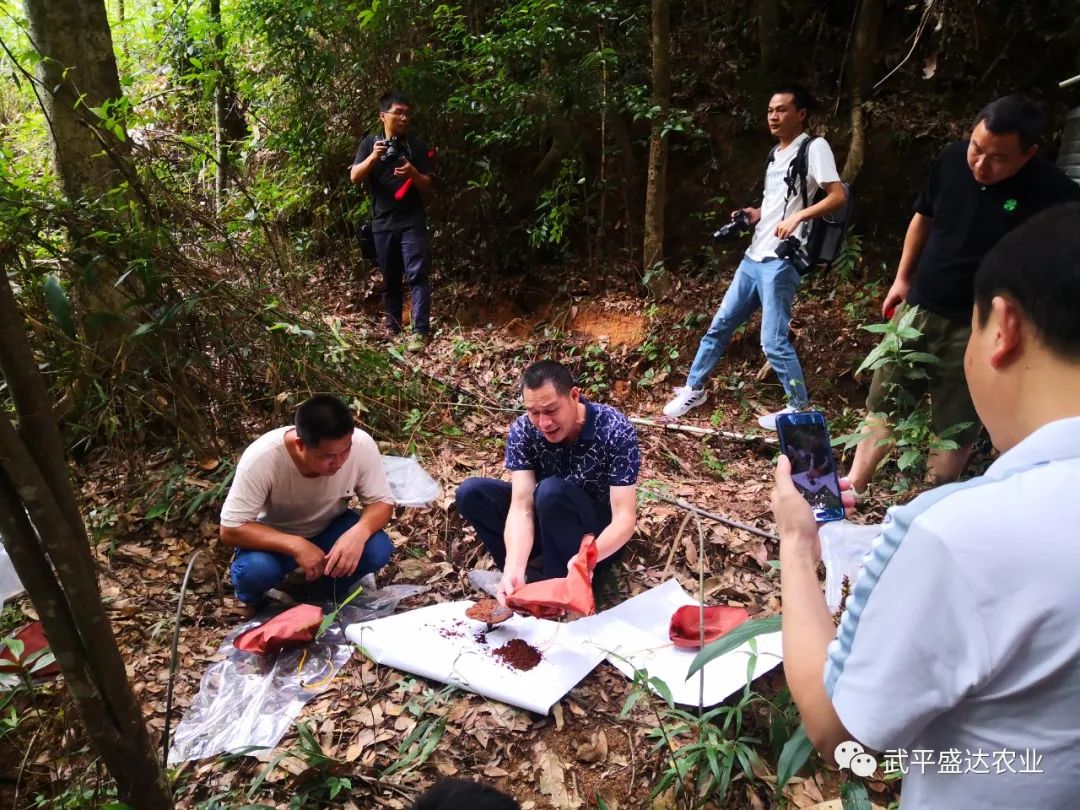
[
  {"x": 518, "y": 654},
  {"x": 489, "y": 611}
]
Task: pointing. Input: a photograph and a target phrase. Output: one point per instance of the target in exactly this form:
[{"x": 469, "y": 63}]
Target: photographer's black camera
[
  {"x": 789, "y": 248},
  {"x": 739, "y": 226},
  {"x": 397, "y": 149}
]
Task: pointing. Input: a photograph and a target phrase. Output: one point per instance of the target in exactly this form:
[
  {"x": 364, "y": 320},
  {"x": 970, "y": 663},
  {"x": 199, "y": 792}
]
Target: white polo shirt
[{"x": 959, "y": 650}]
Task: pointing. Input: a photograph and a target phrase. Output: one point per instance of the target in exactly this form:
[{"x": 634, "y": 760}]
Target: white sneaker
[
  {"x": 685, "y": 399},
  {"x": 768, "y": 421}
]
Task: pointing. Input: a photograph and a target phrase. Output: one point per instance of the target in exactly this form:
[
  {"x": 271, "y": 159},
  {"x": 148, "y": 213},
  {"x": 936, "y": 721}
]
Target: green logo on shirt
[{"x": 1010, "y": 205}]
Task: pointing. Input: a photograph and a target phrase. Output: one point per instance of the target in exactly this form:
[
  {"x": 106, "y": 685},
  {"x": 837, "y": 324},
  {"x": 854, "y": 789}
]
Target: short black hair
[
  {"x": 322, "y": 416},
  {"x": 799, "y": 94},
  {"x": 459, "y": 794},
  {"x": 388, "y": 99},
  {"x": 1014, "y": 114},
  {"x": 548, "y": 371},
  {"x": 1038, "y": 266}
]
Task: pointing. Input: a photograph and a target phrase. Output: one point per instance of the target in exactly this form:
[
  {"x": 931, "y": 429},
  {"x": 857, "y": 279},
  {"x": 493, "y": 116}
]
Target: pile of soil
[
  {"x": 489, "y": 611},
  {"x": 519, "y": 655}
]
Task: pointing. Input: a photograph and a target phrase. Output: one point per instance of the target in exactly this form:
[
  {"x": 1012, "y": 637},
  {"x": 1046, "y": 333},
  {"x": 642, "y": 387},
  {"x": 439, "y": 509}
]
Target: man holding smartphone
[
  {"x": 978, "y": 190},
  {"x": 398, "y": 171},
  {"x": 764, "y": 279},
  {"x": 960, "y": 636}
]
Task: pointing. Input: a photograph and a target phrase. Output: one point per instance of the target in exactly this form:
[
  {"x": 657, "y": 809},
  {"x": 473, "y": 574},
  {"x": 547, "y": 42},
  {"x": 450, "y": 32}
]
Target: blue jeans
[
  {"x": 770, "y": 284},
  {"x": 255, "y": 572},
  {"x": 405, "y": 253},
  {"x": 562, "y": 515}
]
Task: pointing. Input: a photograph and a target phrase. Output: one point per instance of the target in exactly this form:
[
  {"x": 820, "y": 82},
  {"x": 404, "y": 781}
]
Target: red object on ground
[
  {"x": 297, "y": 625},
  {"x": 890, "y": 312},
  {"x": 719, "y": 619},
  {"x": 555, "y": 597},
  {"x": 33, "y": 638}
]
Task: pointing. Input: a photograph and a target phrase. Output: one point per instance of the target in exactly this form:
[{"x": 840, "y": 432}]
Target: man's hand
[
  {"x": 511, "y": 581},
  {"x": 794, "y": 518},
  {"x": 406, "y": 169},
  {"x": 377, "y": 151},
  {"x": 753, "y": 214},
  {"x": 345, "y": 555},
  {"x": 309, "y": 558},
  {"x": 896, "y": 295},
  {"x": 787, "y": 227}
]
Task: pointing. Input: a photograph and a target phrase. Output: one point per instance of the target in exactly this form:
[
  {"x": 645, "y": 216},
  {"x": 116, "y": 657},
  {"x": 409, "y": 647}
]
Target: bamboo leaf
[{"x": 733, "y": 639}]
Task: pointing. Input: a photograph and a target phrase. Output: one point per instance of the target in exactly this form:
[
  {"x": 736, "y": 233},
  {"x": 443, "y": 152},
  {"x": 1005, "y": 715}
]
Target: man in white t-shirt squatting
[
  {"x": 288, "y": 506},
  {"x": 762, "y": 278},
  {"x": 958, "y": 655}
]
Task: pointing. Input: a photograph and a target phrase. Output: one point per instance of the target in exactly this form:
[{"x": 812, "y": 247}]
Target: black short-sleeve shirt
[
  {"x": 968, "y": 220},
  {"x": 388, "y": 212}
]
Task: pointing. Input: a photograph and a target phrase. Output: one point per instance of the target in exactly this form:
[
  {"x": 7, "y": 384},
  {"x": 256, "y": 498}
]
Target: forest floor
[{"x": 629, "y": 353}]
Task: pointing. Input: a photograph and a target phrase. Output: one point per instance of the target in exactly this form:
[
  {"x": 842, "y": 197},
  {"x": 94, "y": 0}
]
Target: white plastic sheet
[
  {"x": 636, "y": 634},
  {"x": 411, "y": 485},
  {"x": 844, "y": 546},
  {"x": 440, "y": 643},
  {"x": 10, "y": 585}
]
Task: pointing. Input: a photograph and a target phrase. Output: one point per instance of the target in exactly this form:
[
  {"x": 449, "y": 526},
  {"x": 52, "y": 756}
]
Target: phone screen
[{"x": 804, "y": 439}]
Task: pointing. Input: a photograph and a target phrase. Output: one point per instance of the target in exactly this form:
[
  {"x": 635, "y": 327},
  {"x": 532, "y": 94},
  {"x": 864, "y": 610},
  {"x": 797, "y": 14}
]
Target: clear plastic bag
[
  {"x": 9, "y": 581},
  {"x": 844, "y": 546},
  {"x": 411, "y": 485},
  {"x": 247, "y": 702}
]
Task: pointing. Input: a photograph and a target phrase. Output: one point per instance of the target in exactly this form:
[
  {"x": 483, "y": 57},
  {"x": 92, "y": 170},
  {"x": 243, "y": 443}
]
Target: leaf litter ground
[{"x": 583, "y": 750}]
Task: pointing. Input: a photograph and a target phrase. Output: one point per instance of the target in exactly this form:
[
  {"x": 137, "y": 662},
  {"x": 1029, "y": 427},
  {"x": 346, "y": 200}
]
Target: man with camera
[
  {"x": 769, "y": 273},
  {"x": 398, "y": 171},
  {"x": 978, "y": 190}
]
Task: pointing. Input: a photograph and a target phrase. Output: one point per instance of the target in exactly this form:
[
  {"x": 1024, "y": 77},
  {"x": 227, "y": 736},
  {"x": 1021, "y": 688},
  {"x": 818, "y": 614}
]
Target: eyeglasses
[{"x": 399, "y": 113}]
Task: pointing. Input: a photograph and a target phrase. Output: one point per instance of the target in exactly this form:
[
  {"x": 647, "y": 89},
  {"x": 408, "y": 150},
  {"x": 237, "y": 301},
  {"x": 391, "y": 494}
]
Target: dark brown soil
[
  {"x": 489, "y": 611},
  {"x": 519, "y": 654}
]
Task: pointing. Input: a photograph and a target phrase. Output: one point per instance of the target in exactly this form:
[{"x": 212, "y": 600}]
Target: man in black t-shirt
[
  {"x": 398, "y": 171},
  {"x": 977, "y": 192}
]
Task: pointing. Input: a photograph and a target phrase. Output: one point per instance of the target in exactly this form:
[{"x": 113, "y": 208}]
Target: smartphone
[{"x": 804, "y": 439}]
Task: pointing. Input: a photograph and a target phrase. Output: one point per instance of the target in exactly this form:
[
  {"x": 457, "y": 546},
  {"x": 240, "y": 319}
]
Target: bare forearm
[
  {"x": 807, "y": 632},
  {"x": 373, "y": 518},
  {"x": 833, "y": 201},
  {"x": 260, "y": 537},
  {"x": 518, "y": 537},
  {"x": 359, "y": 172},
  {"x": 614, "y": 536},
  {"x": 422, "y": 182},
  {"x": 914, "y": 241}
]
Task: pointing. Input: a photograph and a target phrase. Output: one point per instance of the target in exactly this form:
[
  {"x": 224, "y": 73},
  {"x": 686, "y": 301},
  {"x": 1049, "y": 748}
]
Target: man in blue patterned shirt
[{"x": 573, "y": 471}]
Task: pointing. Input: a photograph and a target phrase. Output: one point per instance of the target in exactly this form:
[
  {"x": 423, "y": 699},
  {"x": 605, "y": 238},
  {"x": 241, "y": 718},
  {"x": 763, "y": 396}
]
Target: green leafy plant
[
  {"x": 908, "y": 417},
  {"x": 419, "y": 744}
]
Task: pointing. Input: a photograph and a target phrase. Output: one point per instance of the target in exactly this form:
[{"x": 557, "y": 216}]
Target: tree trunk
[
  {"x": 46, "y": 539},
  {"x": 656, "y": 183},
  {"x": 77, "y": 72},
  {"x": 768, "y": 33},
  {"x": 863, "y": 61},
  {"x": 229, "y": 123}
]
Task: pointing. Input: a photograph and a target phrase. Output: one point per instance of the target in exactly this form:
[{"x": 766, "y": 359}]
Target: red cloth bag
[
  {"x": 32, "y": 636},
  {"x": 550, "y": 598},
  {"x": 684, "y": 630},
  {"x": 297, "y": 625}
]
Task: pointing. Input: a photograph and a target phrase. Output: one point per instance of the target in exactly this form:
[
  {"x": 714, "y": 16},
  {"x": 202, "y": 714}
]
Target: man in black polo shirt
[
  {"x": 977, "y": 192},
  {"x": 398, "y": 171}
]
